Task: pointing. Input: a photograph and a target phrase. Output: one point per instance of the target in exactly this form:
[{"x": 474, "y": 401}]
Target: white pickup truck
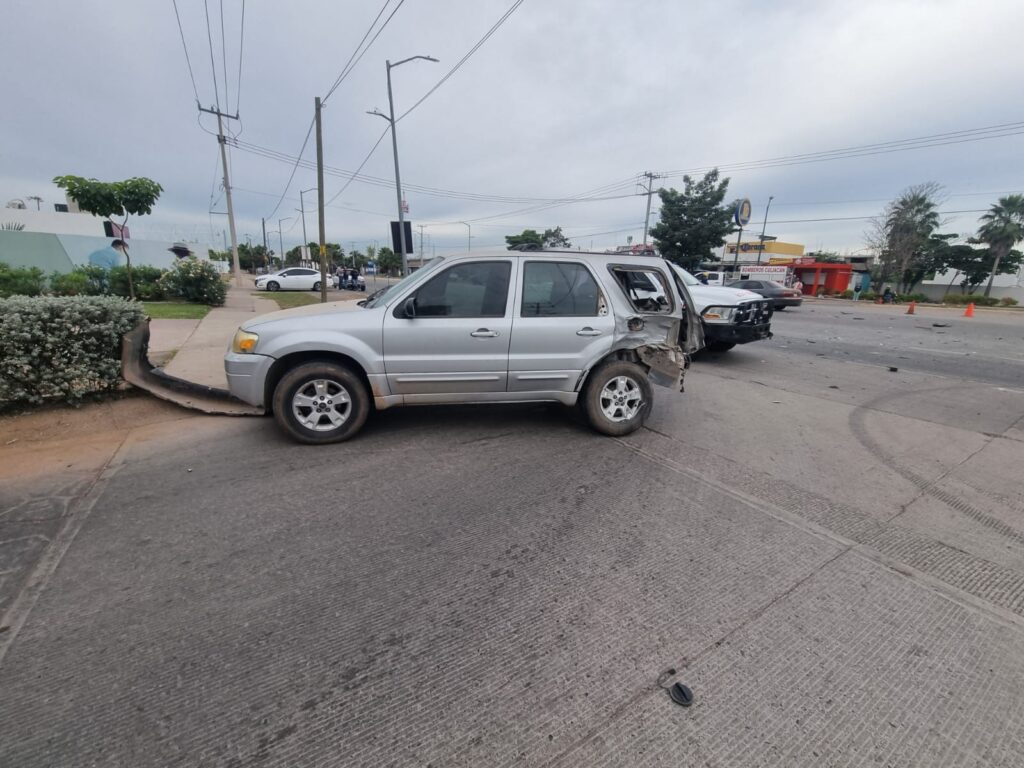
[{"x": 730, "y": 316}]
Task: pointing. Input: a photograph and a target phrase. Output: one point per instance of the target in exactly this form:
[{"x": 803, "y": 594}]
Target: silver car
[{"x": 587, "y": 329}]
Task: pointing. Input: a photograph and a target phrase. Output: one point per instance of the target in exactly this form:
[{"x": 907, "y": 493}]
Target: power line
[
  {"x": 465, "y": 58},
  {"x": 355, "y": 174},
  {"x": 224, "y": 58},
  {"x": 437, "y": 85},
  {"x": 349, "y": 65},
  {"x": 298, "y": 161},
  {"x": 213, "y": 67},
  {"x": 188, "y": 61},
  {"x": 353, "y": 60},
  {"x": 900, "y": 145},
  {"x": 241, "y": 46}
]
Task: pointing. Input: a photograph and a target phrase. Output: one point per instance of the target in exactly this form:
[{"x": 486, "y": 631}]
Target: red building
[{"x": 821, "y": 277}]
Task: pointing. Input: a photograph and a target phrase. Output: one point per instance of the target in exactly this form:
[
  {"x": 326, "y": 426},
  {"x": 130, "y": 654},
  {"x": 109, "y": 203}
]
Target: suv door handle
[
  {"x": 482, "y": 333},
  {"x": 587, "y": 331}
]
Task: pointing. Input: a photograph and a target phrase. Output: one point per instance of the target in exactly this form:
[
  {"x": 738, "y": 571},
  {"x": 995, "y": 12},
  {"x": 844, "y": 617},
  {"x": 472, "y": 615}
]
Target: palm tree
[
  {"x": 1003, "y": 228},
  {"x": 909, "y": 223}
]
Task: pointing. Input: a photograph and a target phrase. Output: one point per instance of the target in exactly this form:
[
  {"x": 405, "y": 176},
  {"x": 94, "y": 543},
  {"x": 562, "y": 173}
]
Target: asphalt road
[
  {"x": 987, "y": 347},
  {"x": 831, "y": 555}
]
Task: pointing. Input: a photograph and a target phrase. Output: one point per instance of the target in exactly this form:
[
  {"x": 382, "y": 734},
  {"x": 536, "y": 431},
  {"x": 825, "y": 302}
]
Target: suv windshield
[{"x": 410, "y": 279}]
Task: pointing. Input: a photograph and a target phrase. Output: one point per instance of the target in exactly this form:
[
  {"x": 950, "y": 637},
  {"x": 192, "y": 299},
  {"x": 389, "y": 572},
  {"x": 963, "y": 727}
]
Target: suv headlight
[
  {"x": 719, "y": 314},
  {"x": 244, "y": 342}
]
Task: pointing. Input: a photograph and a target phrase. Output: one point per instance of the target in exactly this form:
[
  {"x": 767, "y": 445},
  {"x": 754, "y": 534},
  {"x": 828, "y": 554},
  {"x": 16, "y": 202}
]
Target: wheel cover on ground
[
  {"x": 321, "y": 405},
  {"x": 621, "y": 399}
]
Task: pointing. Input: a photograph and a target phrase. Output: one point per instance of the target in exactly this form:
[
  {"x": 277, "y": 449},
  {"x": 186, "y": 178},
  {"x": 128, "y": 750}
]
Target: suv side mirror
[{"x": 409, "y": 307}]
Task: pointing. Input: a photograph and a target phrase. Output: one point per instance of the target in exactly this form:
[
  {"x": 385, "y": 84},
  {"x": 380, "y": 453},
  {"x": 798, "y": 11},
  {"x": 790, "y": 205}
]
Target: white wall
[{"x": 53, "y": 222}]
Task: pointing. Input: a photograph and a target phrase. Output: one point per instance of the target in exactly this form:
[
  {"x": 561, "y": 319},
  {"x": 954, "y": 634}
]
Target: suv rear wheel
[
  {"x": 321, "y": 402},
  {"x": 618, "y": 398}
]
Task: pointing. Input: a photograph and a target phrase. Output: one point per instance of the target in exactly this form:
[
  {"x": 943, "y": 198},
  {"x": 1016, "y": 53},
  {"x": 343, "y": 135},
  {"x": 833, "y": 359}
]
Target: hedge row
[
  {"x": 61, "y": 348},
  {"x": 189, "y": 279},
  {"x": 981, "y": 301}
]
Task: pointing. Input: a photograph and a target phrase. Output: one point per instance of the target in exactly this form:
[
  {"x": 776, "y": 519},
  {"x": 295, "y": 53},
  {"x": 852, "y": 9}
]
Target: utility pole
[
  {"x": 320, "y": 202},
  {"x": 421, "y": 243},
  {"x": 266, "y": 253},
  {"x": 650, "y": 191},
  {"x": 227, "y": 187},
  {"x": 280, "y": 238},
  {"x": 760, "y": 245},
  {"x": 469, "y": 236}
]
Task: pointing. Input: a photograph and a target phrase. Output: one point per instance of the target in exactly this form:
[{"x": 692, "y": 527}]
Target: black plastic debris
[
  {"x": 893, "y": 369},
  {"x": 681, "y": 694},
  {"x": 940, "y": 325}
]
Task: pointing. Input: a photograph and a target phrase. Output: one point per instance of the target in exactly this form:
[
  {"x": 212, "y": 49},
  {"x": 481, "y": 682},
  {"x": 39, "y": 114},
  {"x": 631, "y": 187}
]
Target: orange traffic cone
[
  {"x": 912, "y": 307},
  {"x": 969, "y": 312}
]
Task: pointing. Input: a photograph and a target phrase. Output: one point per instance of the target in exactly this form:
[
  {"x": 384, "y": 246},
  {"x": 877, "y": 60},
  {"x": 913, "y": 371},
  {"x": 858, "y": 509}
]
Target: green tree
[
  {"x": 694, "y": 222},
  {"x": 334, "y": 253},
  {"x": 903, "y": 235},
  {"x": 388, "y": 261},
  {"x": 251, "y": 257},
  {"x": 529, "y": 237},
  {"x": 553, "y": 238},
  {"x": 1002, "y": 228},
  {"x": 131, "y": 197},
  {"x": 974, "y": 265}
]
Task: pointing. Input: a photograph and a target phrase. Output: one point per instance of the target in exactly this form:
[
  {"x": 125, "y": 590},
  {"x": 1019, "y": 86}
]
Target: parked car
[
  {"x": 558, "y": 326},
  {"x": 781, "y": 296},
  {"x": 730, "y": 316},
  {"x": 350, "y": 282},
  {"x": 291, "y": 279}
]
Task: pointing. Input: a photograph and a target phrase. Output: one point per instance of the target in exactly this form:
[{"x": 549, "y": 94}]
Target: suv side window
[
  {"x": 646, "y": 289},
  {"x": 560, "y": 289},
  {"x": 474, "y": 289}
]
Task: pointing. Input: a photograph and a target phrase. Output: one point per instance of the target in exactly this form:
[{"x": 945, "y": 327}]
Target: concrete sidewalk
[{"x": 200, "y": 357}]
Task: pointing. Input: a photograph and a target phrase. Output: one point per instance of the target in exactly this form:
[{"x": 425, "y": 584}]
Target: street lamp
[
  {"x": 394, "y": 144},
  {"x": 302, "y": 210},
  {"x": 469, "y": 236},
  {"x": 280, "y": 235}
]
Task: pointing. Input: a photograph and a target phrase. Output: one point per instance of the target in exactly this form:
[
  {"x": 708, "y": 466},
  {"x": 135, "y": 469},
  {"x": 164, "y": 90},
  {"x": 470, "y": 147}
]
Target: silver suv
[{"x": 593, "y": 329}]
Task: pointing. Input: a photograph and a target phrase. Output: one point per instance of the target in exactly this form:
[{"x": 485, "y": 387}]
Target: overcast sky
[{"x": 566, "y": 97}]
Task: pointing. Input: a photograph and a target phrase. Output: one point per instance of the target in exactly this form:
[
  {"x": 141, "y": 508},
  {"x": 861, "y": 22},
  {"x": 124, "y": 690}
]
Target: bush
[
  {"x": 868, "y": 296},
  {"x": 61, "y": 348},
  {"x": 971, "y": 298},
  {"x": 847, "y": 294},
  {"x": 145, "y": 279},
  {"x": 21, "y": 281},
  {"x": 906, "y": 298},
  {"x": 194, "y": 280},
  {"x": 87, "y": 280},
  {"x": 1008, "y": 301}
]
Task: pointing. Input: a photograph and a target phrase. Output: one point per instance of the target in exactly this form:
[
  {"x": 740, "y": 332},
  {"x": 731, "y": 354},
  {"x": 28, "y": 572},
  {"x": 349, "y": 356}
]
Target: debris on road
[
  {"x": 940, "y": 325},
  {"x": 893, "y": 369}
]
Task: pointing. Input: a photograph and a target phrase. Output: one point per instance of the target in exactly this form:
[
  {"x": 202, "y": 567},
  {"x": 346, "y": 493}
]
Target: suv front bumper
[{"x": 247, "y": 376}]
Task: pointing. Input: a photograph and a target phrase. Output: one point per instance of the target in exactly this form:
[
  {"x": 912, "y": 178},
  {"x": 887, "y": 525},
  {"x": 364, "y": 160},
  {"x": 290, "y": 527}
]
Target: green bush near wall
[
  {"x": 21, "y": 281},
  {"x": 61, "y": 348}
]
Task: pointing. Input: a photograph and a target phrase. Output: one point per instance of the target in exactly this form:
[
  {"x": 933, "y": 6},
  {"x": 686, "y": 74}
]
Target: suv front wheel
[
  {"x": 321, "y": 402},
  {"x": 618, "y": 398}
]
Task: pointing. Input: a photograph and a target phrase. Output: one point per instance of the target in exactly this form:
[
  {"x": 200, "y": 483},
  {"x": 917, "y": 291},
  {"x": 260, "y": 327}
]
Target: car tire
[
  {"x": 303, "y": 403},
  {"x": 779, "y": 307},
  {"x": 316, "y": 286},
  {"x": 618, "y": 398},
  {"x": 720, "y": 346},
  {"x": 272, "y": 286}
]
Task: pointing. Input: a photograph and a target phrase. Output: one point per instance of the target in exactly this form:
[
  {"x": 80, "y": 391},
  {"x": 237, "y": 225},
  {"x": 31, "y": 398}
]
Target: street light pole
[
  {"x": 302, "y": 210},
  {"x": 280, "y": 235},
  {"x": 760, "y": 245},
  {"x": 469, "y": 236},
  {"x": 390, "y": 117}
]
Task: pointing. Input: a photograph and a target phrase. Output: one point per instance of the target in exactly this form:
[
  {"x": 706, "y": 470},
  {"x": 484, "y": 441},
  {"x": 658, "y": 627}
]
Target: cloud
[{"x": 565, "y": 97}]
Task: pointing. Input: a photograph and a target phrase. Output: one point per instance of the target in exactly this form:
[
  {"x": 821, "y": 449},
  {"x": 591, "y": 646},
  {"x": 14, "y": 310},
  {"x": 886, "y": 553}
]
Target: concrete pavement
[{"x": 200, "y": 357}]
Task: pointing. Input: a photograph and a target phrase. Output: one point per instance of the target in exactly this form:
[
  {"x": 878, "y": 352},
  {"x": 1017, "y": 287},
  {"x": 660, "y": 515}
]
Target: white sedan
[{"x": 291, "y": 279}]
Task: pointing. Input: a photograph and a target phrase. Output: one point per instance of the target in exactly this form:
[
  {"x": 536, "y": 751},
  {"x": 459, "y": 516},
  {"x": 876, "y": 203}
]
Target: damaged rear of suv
[{"x": 588, "y": 329}]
